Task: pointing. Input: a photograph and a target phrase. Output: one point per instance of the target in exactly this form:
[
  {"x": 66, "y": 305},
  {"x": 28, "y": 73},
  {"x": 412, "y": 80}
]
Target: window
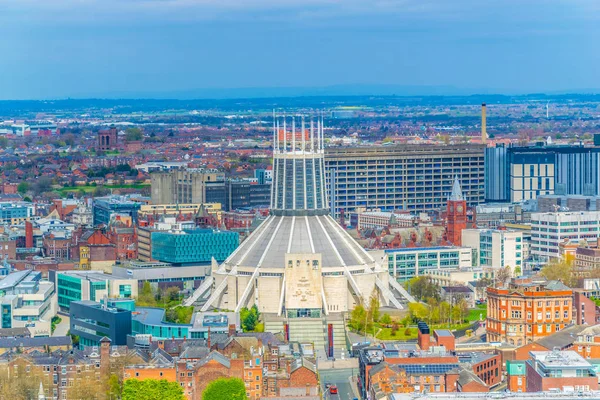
[{"x": 540, "y": 328}]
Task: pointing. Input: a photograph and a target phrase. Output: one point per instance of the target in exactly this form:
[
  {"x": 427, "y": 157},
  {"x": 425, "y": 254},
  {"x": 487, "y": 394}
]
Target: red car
[{"x": 333, "y": 389}]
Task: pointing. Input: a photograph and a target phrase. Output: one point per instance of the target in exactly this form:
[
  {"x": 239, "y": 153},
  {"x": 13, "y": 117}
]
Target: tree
[
  {"x": 358, "y": 318},
  {"x": 23, "y": 187},
  {"x": 249, "y": 318},
  {"x": 560, "y": 270},
  {"x": 3, "y": 142},
  {"x": 224, "y": 389},
  {"x": 503, "y": 275},
  {"x": 151, "y": 389},
  {"x": 42, "y": 185},
  {"x": 481, "y": 285},
  {"x": 422, "y": 287},
  {"x": 418, "y": 311},
  {"x": 386, "y": 319},
  {"x": 374, "y": 307},
  {"x": 133, "y": 134}
]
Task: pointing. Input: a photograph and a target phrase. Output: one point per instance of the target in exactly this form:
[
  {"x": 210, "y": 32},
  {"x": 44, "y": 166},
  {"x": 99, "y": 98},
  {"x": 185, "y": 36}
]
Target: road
[{"x": 341, "y": 379}]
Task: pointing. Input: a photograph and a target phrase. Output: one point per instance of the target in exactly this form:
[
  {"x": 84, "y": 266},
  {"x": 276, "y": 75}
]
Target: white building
[
  {"x": 406, "y": 263},
  {"x": 27, "y": 302},
  {"x": 549, "y": 229},
  {"x": 495, "y": 247}
]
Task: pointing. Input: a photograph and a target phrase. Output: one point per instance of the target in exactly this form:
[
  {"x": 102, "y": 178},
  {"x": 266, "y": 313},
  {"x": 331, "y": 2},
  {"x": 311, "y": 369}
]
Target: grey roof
[
  {"x": 562, "y": 339},
  {"x": 279, "y": 235},
  {"x": 14, "y": 332},
  {"x": 304, "y": 362},
  {"x": 35, "y": 341},
  {"x": 214, "y": 355},
  {"x": 466, "y": 376},
  {"x": 456, "y": 191},
  {"x": 443, "y": 332},
  {"x": 556, "y": 285}
]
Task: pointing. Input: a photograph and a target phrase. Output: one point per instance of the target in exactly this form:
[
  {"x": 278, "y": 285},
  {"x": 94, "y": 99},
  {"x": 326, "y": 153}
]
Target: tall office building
[
  {"x": 408, "y": 177},
  {"x": 196, "y": 186},
  {"x": 495, "y": 174},
  {"x": 521, "y": 173}
]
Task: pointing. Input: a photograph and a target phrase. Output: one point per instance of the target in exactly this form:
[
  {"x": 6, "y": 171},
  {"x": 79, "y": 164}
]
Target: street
[{"x": 341, "y": 379}]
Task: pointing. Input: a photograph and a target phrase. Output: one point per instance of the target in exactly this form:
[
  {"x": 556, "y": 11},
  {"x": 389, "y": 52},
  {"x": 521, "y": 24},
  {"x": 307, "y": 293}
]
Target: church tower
[{"x": 456, "y": 214}]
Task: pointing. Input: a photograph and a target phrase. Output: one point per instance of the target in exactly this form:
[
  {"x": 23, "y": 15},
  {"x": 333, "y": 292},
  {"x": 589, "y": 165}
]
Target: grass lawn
[
  {"x": 475, "y": 313},
  {"x": 90, "y": 189}
]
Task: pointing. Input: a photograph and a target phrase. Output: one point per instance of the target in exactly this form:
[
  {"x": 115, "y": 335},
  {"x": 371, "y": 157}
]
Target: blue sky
[{"x": 107, "y": 48}]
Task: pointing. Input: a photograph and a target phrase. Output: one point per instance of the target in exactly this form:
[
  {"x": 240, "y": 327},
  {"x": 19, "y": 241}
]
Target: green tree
[
  {"x": 152, "y": 389},
  {"x": 418, "y": 311},
  {"x": 374, "y": 307},
  {"x": 114, "y": 387},
  {"x": 561, "y": 270},
  {"x": 23, "y": 187},
  {"x": 224, "y": 389},
  {"x": 3, "y": 142},
  {"x": 422, "y": 288},
  {"x": 249, "y": 318},
  {"x": 133, "y": 134},
  {"x": 386, "y": 319},
  {"x": 358, "y": 318}
]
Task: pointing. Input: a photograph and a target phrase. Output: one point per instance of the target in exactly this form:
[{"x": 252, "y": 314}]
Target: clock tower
[{"x": 456, "y": 214}]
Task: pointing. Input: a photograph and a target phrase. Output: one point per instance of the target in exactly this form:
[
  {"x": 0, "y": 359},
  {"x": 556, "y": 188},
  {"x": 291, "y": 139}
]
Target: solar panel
[{"x": 433, "y": 369}]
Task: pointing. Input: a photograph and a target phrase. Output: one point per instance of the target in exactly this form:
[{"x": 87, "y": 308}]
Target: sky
[{"x": 170, "y": 48}]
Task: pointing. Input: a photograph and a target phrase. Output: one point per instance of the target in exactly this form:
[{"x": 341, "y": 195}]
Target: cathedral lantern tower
[{"x": 456, "y": 212}]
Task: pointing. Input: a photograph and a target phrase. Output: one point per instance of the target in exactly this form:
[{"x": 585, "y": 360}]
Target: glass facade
[
  {"x": 194, "y": 246},
  {"x": 405, "y": 264},
  {"x": 69, "y": 289}
]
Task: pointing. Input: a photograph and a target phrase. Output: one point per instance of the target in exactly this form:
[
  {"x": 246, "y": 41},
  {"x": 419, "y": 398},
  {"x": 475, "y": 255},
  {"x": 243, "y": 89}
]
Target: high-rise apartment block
[
  {"x": 196, "y": 186},
  {"x": 409, "y": 177},
  {"x": 522, "y": 173}
]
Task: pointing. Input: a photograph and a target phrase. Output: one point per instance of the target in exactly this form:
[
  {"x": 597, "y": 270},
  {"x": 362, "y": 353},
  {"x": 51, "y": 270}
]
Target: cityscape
[{"x": 303, "y": 201}]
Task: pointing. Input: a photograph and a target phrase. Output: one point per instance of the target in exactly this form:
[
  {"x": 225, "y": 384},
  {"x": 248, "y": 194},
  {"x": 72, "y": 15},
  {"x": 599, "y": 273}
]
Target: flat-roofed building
[
  {"x": 403, "y": 177},
  {"x": 496, "y": 247},
  {"x": 548, "y": 230},
  {"x": 406, "y": 263},
  {"x": 562, "y": 370}
]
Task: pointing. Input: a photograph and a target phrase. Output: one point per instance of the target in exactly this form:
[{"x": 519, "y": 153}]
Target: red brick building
[
  {"x": 456, "y": 215},
  {"x": 563, "y": 370},
  {"x": 526, "y": 311}
]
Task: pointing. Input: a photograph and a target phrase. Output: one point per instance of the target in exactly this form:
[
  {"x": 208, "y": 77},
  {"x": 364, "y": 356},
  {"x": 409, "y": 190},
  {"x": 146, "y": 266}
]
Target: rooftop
[{"x": 560, "y": 359}]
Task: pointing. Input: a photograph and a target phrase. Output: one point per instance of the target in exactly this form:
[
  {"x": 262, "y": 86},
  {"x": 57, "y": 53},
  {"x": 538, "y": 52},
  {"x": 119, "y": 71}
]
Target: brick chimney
[
  {"x": 231, "y": 331},
  {"x": 208, "y": 338},
  {"x": 104, "y": 355},
  {"x": 28, "y": 235},
  {"x": 423, "y": 339}
]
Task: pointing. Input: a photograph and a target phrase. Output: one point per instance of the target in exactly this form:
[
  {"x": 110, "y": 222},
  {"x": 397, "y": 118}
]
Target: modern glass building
[
  {"x": 16, "y": 213},
  {"x": 90, "y": 285},
  {"x": 407, "y": 263},
  {"x": 521, "y": 173},
  {"x": 104, "y": 207},
  {"x": 193, "y": 246},
  {"x": 92, "y": 321}
]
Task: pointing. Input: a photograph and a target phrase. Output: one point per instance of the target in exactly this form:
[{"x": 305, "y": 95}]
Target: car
[
  {"x": 327, "y": 385},
  {"x": 333, "y": 389}
]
